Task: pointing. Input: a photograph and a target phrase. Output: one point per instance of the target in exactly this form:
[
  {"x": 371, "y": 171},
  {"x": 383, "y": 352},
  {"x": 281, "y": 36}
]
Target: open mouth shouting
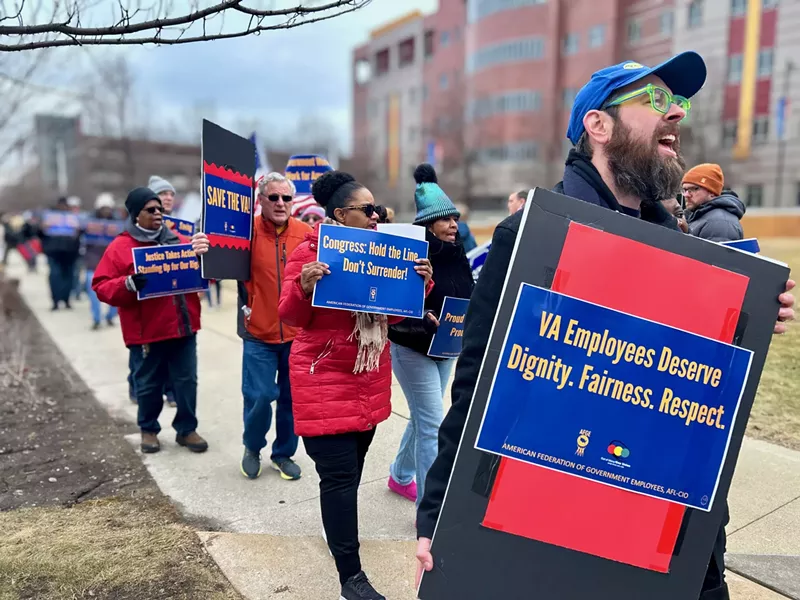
[{"x": 668, "y": 145}]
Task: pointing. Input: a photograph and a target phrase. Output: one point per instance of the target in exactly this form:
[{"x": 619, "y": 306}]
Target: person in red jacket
[
  {"x": 162, "y": 329},
  {"x": 341, "y": 376}
]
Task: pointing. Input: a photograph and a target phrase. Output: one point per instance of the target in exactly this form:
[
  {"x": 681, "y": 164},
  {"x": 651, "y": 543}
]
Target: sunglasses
[
  {"x": 367, "y": 209},
  {"x": 660, "y": 99},
  {"x": 276, "y": 197},
  {"x": 153, "y": 210}
]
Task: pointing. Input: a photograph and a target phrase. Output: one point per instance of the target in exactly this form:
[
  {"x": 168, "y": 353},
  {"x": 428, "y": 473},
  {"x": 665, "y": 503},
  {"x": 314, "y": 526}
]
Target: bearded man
[{"x": 625, "y": 125}]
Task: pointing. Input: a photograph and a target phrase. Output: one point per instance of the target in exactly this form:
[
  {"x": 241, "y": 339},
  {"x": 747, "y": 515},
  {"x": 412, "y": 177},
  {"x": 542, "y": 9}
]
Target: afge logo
[
  {"x": 632, "y": 65},
  {"x": 373, "y": 294},
  {"x": 583, "y": 441}
]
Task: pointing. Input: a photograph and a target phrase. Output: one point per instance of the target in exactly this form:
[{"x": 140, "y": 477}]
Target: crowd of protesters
[{"x": 330, "y": 371}]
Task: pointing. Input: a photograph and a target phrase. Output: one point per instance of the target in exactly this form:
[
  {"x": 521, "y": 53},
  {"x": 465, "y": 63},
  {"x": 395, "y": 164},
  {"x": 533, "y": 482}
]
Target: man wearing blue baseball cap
[{"x": 625, "y": 128}]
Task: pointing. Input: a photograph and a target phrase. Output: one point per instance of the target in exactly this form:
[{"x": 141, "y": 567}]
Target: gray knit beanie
[{"x": 159, "y": 184}]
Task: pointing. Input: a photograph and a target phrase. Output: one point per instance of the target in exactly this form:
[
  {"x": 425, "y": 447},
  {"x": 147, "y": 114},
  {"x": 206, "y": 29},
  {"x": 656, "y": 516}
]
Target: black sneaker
[
  {"x": 289, "y": 470},
  {"x": 95, "y": 326},
  {"x": 358, "y": 587},
  {"x": 251, "y": 464}
]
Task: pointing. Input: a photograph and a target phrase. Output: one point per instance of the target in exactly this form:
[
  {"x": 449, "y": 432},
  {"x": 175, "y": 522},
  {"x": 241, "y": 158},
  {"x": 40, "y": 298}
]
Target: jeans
[
  {"x": 424, "y": 383},
  {"x": 61, "y": 274},
  {"x": 172, "y": 361},
  {"x": 77, "y": 286},
  {"x": 95, "y": 303},
  {"x": 265, "y": 379},
  {"x": 339, "y": 460}
]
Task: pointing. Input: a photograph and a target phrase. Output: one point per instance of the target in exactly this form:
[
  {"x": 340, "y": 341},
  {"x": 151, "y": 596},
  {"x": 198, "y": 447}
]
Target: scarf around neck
[
  {"x": 371, "y": 331},
  {"x": 161, "y": 236}
]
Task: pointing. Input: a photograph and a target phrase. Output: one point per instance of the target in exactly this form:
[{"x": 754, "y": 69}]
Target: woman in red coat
[{"x": 341, "y": 376}]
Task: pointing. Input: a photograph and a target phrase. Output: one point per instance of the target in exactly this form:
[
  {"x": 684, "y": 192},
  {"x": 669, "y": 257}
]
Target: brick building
[{"x": 499, "y": 78}]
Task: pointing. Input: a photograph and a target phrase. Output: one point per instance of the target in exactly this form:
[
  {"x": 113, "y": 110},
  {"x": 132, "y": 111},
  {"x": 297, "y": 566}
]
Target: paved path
[{"x": 266, "y": 532}]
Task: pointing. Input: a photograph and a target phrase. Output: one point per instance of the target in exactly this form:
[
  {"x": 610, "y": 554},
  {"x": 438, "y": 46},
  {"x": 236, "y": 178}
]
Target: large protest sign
[
  {"x": 624, "y": 387},
  {"x": 170, "y": 270},
  {"x": 180, "y": 226},
  {"x": 101, "y": 232},
  {"x": 446, "y": 342},
  {"x": 57, "y": 223},
  {"x": 304, "y": 169},
  {"x": 229, "y": 166},
  {"x": 370, "y": 272},
  {"x": 533, "y": 527}
]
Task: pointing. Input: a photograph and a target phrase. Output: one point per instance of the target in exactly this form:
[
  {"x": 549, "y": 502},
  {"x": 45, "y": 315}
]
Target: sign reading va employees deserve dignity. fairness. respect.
[
  {"x": 607, "y": 396},
  {"x": 370, "y": 272},
  {"x": 446, "y": 342},
  {"x": 170, "y": 270},
  {"x": 180, "y": 226}
]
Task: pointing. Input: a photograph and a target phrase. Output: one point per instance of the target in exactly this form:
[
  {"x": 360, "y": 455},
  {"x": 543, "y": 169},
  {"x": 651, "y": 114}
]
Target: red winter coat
[
  {"x": 327, "y": 397},
  {"x": 145, "y": 321}
]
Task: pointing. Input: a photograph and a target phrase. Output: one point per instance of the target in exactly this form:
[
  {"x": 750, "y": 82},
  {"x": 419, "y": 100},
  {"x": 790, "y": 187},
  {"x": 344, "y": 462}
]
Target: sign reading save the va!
[
  {"x": 370, "y": 272},
  {"x": 607, "y": 396},
  {"x": 170, "y": 270},
  {"x": 446, "y": 342}
]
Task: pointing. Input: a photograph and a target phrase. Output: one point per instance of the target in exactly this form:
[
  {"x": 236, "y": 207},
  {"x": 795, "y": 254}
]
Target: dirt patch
[{"x": 81, "y": 517}]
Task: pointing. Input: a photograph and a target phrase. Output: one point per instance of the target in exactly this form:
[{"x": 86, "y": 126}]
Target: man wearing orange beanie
[{"x": 713, "y": 213}]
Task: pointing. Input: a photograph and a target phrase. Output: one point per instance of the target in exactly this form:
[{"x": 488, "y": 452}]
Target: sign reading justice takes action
[{"x": 614, "y": 398}]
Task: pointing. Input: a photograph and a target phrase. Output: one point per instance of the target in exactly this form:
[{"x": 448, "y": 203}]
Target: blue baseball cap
[{"x": 684, "y": 74}]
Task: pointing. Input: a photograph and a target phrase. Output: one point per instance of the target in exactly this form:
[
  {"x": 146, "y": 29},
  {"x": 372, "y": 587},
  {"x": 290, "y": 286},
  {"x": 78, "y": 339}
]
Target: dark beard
[{"x": 639, "y": 170}]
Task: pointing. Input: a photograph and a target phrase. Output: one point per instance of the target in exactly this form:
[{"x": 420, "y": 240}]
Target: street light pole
[{"x": 783, "y": 134}]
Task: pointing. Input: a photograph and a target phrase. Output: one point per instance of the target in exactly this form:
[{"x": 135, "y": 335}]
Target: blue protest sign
[
  {"x": 304, "y": 169},
  {"x": 170, "y": 270},
  {"x": 228, "y": 204},
  {"x": 446, "y": 342},
  {"x": 614, "y": 398},
  {"x": 101, "y": 232},
  {"x": 370, "y": 272},
  {"x": 181, "y": 226},
  {"x": 748, "y": 245},
  {"x": 476, "y": 257},
  {"x": 58, "y": 223}
]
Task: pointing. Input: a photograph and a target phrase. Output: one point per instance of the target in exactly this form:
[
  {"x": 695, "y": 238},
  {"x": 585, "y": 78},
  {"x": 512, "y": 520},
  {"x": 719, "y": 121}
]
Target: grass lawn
[
  {"x": 111, "y": 548},
  {"x": 776, "y": 412}
]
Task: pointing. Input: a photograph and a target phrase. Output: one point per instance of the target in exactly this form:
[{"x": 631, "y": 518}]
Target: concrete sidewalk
[{"x": 267, "y": 532}]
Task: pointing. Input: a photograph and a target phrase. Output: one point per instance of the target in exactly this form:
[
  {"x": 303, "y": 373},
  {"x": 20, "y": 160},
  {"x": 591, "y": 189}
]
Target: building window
[
  {"x": 735, "y": 68},
  {"x": 568, "y": 97},
  {"x": 769, "y": 4},
  {"x": 363, "y": 71},
  {"x": 570, "y": 44},
  {"x": 443, "y": 123},
  {"x": 738, "y": 8},
  {"x": 634, "y": 31},
  {"x": 695, "y": 19},
  {"x": 730, "y": 130},
  {"x": 428, "y": 44},
  {"x": 406, "y": 51},
  {"x": 506, "y": 52},
  {"x": 444, "y": 38},
  {"x": 517, "y": 151},
  {"x": 382, "y": 62},
  {"x": 516, "y": 101},
  {"x": 666, "y": 22},
  {"x": 754, "y": 194},
  {"x": 760, "y": 130},
  {"x": 765, "y": 56},
  {"x": 597, "y": 36},
  {"x": 443, "y": 81},
  {"x": 480, "y": 9}
]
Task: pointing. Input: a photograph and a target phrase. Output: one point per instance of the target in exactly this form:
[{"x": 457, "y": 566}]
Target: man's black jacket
[{"x": 581, "y": 181}]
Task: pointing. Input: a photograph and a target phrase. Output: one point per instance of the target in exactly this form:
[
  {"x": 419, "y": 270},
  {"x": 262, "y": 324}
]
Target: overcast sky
[{"x": 274, "y": 79}]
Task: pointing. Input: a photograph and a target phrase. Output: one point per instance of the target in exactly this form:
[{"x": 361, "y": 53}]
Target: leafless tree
[{"x": 29, "y": 25}]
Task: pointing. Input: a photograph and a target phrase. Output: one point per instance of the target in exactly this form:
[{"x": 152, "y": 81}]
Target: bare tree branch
[{"x": 68, "y": 31}]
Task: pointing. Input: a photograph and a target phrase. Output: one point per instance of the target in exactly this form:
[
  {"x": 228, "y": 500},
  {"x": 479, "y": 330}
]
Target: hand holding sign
[
  {"x": 425, "y": 269},
  {"x": 200, "y": 243},
  {"x": 312, "y": 272}
]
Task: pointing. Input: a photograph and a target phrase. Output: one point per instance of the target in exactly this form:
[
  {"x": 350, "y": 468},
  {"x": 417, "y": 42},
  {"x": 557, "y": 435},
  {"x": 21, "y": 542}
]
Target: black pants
[
  {"x": 339, "y": 460},
  {"x": 169, "y": 362},
  {"x": 61, "y": 276},
  {"x": 714, "y": 586}
]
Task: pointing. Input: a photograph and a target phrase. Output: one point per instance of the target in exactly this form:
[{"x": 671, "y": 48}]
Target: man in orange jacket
[{"x": 267, "y": 341}]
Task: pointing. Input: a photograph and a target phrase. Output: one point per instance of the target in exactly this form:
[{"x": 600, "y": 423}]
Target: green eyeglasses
[{"x": 660, "y": 99}]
